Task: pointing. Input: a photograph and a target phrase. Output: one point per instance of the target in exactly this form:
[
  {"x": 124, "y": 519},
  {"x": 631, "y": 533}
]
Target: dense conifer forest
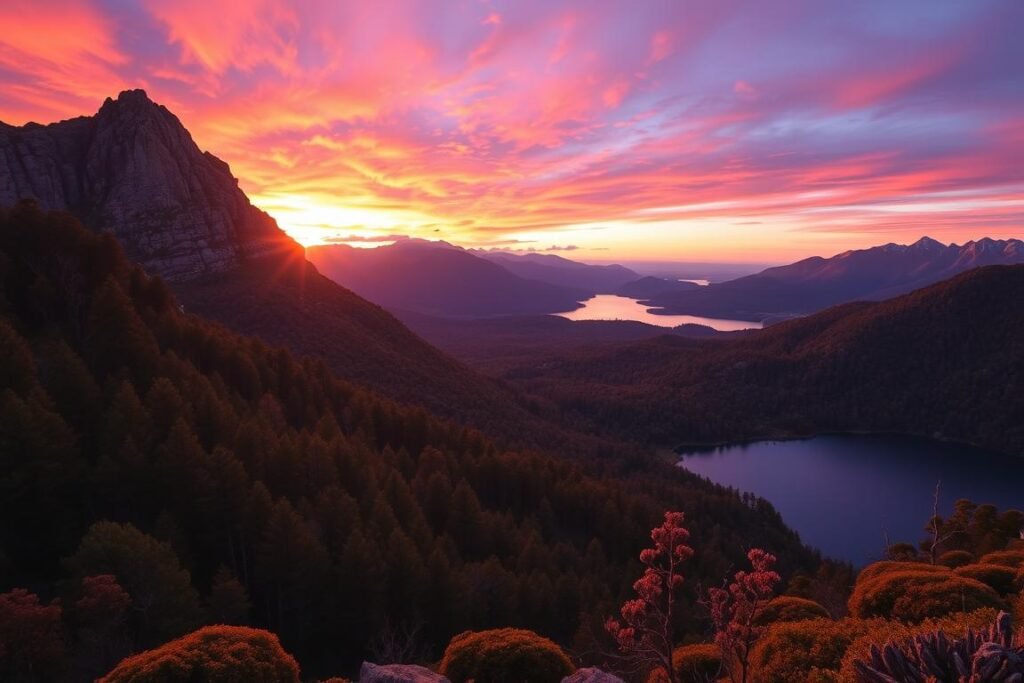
[{"x": 155, "y": 461}]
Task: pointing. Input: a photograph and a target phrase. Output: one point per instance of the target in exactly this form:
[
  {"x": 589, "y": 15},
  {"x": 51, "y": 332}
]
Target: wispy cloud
[{"x": 688, "y": 127}]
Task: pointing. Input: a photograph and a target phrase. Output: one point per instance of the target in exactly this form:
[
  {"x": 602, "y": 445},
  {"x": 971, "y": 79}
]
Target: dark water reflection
[{"x": 845, "y": 494}]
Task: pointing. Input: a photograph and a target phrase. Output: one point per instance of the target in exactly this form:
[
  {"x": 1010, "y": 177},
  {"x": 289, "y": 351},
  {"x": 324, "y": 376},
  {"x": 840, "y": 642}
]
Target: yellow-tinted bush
[
  {"x": 912, "y": 595},
  {"x": 789, "y": 608},
  {"x": 1007, "y": 558},
  {"x": 880, "y": 632},
  {"x": 955, "y": 558},
  {"x": 875, "y": 570},
  {"x": 226, "y": 654},
  {"x": 504, "y": 655},
  {"x": 1002, "y": 579},
  {"x": 804, "y": 650},
  {"x": 693, "y": 663},
  {"x": 936, "y": 600}
]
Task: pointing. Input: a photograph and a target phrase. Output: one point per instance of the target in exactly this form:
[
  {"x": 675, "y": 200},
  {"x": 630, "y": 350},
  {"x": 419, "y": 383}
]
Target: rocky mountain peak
[
  {"x": 134, "y": 169},
  {"x": 928, "y": 244}
]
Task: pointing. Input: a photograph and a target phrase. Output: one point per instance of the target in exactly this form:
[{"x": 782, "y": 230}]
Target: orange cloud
[{"x": 525, "y": 121}]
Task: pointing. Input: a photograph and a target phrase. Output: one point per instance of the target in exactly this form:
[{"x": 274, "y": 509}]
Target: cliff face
[{"x": 134, "y": 170}]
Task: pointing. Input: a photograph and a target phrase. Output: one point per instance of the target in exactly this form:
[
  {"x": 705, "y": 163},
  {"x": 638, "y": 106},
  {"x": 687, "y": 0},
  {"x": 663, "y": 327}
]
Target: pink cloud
[{"x": 500, "y": 118}]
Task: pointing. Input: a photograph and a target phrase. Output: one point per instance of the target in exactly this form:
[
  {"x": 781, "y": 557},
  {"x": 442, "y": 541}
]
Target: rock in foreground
[{"x": 398, "y": 673}]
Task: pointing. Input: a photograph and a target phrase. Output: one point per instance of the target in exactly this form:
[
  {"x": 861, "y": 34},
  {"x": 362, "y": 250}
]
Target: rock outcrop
[
  {"x": 134, "y": 170},
  {"x": 398, "y": 673},
  {"x": 592, "y": 675}
]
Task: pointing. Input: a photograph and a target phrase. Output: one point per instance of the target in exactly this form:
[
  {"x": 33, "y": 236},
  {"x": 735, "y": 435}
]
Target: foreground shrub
[
  {"x": 880, "y": 633},
  {"x": 803, "y": 650},
  {"x": 647, "y": 629},
  {"x": 955, "y": 558},
  {"x": 505, "y": 655},
  {"x": 1001, "y": 579},
  {"x": 1007, "y": 558},
  {"x": 225, "y": 654},
  {"x": 991, "y": 654},
  {"x": 31, "y": 637},
  {"x": 912, "y": 595},
  {"x": 735, "y": 612},
  {"x": 693, "y": 664},
  {"x": 873, "y": 571},
  {"x": 789, "y": 608}
]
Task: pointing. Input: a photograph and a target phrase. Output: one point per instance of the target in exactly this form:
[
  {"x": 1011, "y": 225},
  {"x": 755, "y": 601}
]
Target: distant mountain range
[
  {"x": 816, "y": 283},
  {"x": 439, "y": 279},
  {"x": 649, "y": 287},
  {"x": 556, "y": 270}
]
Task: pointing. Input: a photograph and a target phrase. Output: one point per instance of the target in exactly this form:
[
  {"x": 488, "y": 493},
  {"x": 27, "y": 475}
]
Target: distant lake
[
  {"x": 612, "y": 307},
  {"x": 844, "y": 494}
]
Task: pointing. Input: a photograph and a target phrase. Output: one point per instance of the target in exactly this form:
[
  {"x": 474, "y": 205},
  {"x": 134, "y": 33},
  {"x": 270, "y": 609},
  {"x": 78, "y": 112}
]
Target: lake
[
  {"x": 612, "y": 307},
  {"x": 845, "y": 494}
]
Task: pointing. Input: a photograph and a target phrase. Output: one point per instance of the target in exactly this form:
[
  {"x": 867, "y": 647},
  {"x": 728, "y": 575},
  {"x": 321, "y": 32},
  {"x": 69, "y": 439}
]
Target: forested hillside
[
  {"x": 944, "y": 361},
  {"x": 217, "y": 478}
]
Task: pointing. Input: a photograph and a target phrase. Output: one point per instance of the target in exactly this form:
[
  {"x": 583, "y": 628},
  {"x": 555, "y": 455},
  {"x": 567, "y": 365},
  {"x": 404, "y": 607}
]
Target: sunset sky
[{"x": 642, "y": 129}]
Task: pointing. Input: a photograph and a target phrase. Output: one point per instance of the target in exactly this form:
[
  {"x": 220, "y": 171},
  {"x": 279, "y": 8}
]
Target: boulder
[
  {"x": 398, "y": 673},
  {"x": 592, "y": 675}
]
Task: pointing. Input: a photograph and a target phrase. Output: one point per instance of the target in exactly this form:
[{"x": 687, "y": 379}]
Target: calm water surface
[
  {"x": 612, "y": 307},
  {"x": 845, "y": 494}
]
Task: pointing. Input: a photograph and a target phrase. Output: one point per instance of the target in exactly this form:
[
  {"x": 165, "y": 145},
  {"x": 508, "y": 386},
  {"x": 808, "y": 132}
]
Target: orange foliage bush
[
  {"x": 804, "y": 650},
  {"x": 693, "y": 663},
  {"x": 911, "y": 594},
  {"x": 1007, "y": 558},
  {"x": 875, "y": 570},
  {"x": 823, "y": 651},
  {"x": 790, "y": 608},
  {"x": 226, "y": 654},
  {"x": 1002, "y": 579},
  {"x": 880, "y": 632},
  {"x": 504, "y": 655},
  {"x": 955, "y": 558}
]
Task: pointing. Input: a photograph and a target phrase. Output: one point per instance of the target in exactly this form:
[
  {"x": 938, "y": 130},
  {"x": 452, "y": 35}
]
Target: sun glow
[{"x": 312, "y": 220}]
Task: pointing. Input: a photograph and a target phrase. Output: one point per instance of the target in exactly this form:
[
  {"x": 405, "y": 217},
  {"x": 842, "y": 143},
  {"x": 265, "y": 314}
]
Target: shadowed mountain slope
[
  {"x": 598, "y": 279},
  {"x": 439, "y": 279},
  {"x": 133, "y": 170}
]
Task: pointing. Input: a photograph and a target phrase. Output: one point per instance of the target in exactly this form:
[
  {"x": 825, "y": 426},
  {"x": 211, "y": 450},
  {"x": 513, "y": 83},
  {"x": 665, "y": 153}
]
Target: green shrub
[
  {"x": 907, "y": 594},
  {"x": 693, "y": 663},
  {"x": 790, "y": 608},
  {"x": 505, "y": 655},
  {"x": 1002, "y": 579},
  {"x": 955, "y": 558},
  {"x": 225, "y": 654}
]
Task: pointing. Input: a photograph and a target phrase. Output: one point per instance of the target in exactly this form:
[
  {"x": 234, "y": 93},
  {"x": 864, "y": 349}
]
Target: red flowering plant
[
  {"x": 734, "y": 612},
  {"x": 645, "y": 633}
]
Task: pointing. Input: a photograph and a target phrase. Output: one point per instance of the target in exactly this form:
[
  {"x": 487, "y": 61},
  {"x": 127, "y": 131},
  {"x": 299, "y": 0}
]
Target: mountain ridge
[
  {"x": 134, "y": 169},
  {"x": 142, "y": 167},
  {"x": 815, "y": 283},
  {"x": 439, "y": 279}
]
